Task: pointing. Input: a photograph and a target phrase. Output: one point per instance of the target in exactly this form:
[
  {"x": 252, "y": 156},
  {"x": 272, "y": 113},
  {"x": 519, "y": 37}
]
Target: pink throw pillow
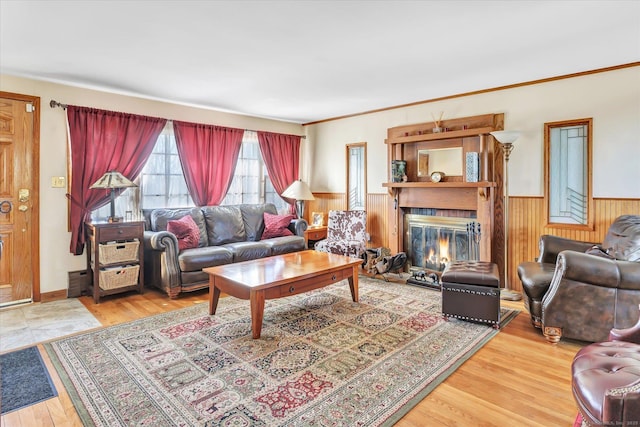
[
  {"x": 186, "y": 231},
  {"x": 276, "y": 225}
]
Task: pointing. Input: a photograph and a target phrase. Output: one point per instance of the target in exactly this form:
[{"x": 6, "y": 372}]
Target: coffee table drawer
[{"x": 306, "y": 285}]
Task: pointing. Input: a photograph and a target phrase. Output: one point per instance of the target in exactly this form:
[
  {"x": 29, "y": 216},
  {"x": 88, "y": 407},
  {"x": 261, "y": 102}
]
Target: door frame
[{"x": 35, "y": 176}]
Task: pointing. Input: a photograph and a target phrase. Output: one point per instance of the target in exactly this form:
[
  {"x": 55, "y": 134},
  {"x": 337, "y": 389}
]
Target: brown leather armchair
[
  {"x": 581, "y": 291},
  {"x": 605, "y": 380}
]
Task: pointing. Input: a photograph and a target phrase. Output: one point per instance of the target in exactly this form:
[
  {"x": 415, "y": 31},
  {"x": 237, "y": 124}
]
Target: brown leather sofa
[
  {"x": 227, "y": 234},
  {"x": 581, "y": 291},
  {"x": 605, "y": 380}
]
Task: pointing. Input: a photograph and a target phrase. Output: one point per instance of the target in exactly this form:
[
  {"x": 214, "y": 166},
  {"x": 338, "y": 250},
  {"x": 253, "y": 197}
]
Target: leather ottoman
[
  {"x": 471, "y": 291},
  {"x": 605, "y": 380}
]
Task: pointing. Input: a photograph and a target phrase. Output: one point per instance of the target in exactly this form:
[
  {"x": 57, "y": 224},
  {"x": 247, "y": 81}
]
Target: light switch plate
[{"x": 57, "y": 182}]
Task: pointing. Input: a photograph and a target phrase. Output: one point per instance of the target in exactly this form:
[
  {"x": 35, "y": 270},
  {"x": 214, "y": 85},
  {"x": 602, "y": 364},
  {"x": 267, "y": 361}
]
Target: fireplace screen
[{"x": 432, "y": 241}]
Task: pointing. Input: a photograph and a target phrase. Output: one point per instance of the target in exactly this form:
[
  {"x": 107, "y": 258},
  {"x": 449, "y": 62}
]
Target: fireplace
[
  {"x": 433, "y": 241},
  {"x": 479, "y": 202}
]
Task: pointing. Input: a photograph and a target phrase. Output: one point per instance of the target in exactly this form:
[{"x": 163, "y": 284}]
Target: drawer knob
[
  {"x": 291, "y": 289},
  {"x": 333, "y": 277},
  {"x": 120, "y": 231}
]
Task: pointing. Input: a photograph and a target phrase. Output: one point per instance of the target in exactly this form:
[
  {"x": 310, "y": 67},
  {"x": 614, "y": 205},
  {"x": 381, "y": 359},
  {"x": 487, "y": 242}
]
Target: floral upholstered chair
[{"x": 346, "y": 234}]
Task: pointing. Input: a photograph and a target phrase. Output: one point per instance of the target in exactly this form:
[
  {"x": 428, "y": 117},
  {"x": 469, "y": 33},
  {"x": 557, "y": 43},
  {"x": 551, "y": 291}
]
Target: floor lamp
[{"x": 506, "y": 138}]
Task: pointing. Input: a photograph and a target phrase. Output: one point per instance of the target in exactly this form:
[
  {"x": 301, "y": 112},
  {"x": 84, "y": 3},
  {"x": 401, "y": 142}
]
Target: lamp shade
[
  {"x": 298, "y": 190},
  {"x": 113, "y": 179},
  {"x": 505, "y": 136}
]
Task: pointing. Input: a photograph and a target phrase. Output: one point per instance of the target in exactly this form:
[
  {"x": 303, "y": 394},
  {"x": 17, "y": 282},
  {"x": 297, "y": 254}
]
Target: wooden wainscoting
[
  {"x": 526, "y": 223},
  {"x": 377, "y": 213}
]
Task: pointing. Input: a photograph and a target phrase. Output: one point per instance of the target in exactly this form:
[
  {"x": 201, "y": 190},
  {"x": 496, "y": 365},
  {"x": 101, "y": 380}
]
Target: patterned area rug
[{"x": 322, "y": 360}]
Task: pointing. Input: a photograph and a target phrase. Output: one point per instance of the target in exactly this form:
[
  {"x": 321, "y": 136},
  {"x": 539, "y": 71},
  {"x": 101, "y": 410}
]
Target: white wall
[
  {"x": 612, "y": 99},
  {"x": 55, "y": 259}
]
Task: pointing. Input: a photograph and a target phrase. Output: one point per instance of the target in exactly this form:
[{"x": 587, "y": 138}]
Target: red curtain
[
  {"x": 208, "y": 155},
  {"x": 281, "y": 154},
  {"x": 102, "y": 141}
]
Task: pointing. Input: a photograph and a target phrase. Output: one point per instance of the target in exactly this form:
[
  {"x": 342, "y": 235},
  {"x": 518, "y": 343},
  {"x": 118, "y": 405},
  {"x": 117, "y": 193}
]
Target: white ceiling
[{"x": 304, "y": 61}]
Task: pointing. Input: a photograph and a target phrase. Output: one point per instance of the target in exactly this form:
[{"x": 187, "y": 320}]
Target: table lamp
[
  {"x": 112, "y": 180},
  {"x": 298, "y": 190}
]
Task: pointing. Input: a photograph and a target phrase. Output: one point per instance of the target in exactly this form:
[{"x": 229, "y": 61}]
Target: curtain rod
[{"x": 53, "y": 104}]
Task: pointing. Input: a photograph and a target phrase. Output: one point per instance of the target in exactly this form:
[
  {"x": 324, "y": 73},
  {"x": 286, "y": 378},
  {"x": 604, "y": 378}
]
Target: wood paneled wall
[
  {"x": 526, "y": 224},
  {"x": 377, "y": 213},
  {"x": 528, "y": 219}
]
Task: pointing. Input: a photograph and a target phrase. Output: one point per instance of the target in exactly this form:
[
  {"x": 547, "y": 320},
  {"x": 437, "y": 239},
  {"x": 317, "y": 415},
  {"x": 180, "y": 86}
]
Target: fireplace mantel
[{"x": 471, "y": 134}]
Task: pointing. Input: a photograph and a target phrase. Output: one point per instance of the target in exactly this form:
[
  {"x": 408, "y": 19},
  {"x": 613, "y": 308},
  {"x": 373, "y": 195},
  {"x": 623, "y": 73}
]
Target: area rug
[
  {"x": 321, "y": 360},
  {"x": 25, "y": 380}
]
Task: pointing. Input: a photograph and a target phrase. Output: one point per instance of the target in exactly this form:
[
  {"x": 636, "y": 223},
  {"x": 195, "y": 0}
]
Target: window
[
  {"x": 356, "y": 176},
  {"x": 251, "y": 183},
  {"x": 161, "y": 182},
  {"x": 568, "y": 173}
]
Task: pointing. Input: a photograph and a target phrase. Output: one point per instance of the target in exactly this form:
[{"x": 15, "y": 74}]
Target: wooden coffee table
[{"x": 279, "y": 276}]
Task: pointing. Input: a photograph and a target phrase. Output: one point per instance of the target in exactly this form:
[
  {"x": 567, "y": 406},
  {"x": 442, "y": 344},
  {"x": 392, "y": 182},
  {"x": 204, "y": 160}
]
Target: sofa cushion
[
  {"x": 276, "y": 226},
  {"x": 186, "y": 232},
  {"x": 246, "y": 251},
  {"x": 284, "y": 245},
  {"x": 253, "y": 217},
  {"x": 224, "y": 224},
  {"x": 199, "y": 258},
  {"x": 160, "y": 217},
  {"x": 623, "y": 238}
]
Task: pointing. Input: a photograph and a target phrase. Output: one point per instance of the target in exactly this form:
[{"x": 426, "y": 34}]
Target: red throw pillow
[
  {"x": 276, "y": 225},
  {"x": 186, "y": 231}
]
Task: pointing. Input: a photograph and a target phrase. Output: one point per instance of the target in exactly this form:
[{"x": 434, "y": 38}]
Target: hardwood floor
[{"x": 516, "y": 379}]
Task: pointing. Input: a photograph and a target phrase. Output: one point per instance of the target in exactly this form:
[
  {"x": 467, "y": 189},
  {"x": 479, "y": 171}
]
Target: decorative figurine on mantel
[{"x": 436, "y": 123}]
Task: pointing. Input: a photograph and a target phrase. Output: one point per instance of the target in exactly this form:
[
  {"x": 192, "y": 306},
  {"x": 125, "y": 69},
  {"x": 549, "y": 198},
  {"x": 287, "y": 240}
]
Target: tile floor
[{"x": 29, "y": 324}]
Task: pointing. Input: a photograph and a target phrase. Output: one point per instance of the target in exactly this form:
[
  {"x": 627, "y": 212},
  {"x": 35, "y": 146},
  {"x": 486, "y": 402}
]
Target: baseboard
[{"x": 53, "y": 296}]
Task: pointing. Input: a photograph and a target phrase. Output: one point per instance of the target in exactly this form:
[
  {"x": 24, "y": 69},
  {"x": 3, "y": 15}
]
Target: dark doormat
[{"x": 25, "y": 380}]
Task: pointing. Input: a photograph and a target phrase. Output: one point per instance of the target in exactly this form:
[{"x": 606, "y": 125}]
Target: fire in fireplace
[{"x": 432, "y": 242}]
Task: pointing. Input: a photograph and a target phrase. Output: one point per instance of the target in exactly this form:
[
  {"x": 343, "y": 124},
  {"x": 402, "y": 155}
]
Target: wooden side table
[
  {"x": 313, "y": 234},
  {"x": 122, "y": 263}
]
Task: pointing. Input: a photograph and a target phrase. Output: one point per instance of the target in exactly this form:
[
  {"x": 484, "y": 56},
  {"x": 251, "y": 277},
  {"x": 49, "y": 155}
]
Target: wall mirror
[{"x": 447, "y": 160}]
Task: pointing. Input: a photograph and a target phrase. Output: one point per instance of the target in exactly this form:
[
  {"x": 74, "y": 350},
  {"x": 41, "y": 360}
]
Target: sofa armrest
[
  {"x": 160, "y": 241},
  {"x": 551, "y": 246},
  {"x": 590, "y": 269},
  {"x": 578, "y": 303},
  {"x": 161, "y": 268},
  {"x": 298, "y": 226}
]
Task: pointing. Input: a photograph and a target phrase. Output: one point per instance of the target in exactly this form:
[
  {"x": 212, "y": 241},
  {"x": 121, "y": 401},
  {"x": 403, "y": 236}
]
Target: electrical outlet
[{"x": 57, "y": 182}]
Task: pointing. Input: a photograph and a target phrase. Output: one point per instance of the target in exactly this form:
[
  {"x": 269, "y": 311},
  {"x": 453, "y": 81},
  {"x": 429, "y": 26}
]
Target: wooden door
[{"x": 19, "y": 207}]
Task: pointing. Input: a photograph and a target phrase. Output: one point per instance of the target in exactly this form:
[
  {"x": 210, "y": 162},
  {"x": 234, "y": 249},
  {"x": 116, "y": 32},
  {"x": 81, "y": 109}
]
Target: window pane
[
  {"x": 174, "y": 165},
  {"x": 567, "y": 146},
  {"x": 155, "y": 164},
  {"x": 152, "y": 185},
  {"x": 356, "y": 179}
]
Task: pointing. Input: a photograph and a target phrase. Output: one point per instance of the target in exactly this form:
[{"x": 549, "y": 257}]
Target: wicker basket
[
  {"x": 119, "y": 277},
  {"x": 111, "y": 253}
]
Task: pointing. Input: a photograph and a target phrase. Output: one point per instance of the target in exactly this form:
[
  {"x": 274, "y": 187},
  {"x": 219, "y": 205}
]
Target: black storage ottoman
[{"x": 471, "y": 291}]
